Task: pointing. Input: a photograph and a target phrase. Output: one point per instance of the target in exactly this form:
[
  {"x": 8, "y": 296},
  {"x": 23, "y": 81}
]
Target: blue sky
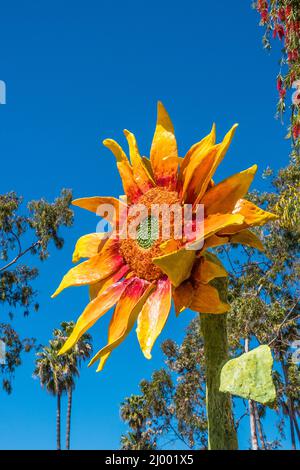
[{"x": 78, "y": 72}]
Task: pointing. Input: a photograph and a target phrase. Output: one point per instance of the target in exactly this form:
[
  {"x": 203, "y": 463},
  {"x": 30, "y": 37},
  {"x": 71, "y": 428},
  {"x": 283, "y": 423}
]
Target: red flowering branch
[{"x": 281, "y": 19}]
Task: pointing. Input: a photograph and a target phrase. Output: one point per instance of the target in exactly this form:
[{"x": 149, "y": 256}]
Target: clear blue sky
[{"x": 76, "y": 73}]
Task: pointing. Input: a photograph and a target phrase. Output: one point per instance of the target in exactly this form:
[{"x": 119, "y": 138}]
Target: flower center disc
[{"x": 138, "y": 253}]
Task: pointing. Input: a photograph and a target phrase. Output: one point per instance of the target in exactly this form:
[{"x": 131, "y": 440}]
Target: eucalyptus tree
[{"x": 26, "y": 235}]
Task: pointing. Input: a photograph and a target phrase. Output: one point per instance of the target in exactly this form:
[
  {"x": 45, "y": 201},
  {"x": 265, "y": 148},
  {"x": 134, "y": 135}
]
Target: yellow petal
[
  {"x": 95, "y": 269},
  {"x": 183, "y": 296},
  {"x": 163, "y": 153},
  {"x": 208, "y": 268},
  {"x": 101, "y": 286},
  {"x": 214, "y": 241},
  {"x": 124, "y": 317},
  {"x": 206, "y": 168},
  {"x": 140, "y": 173},
  {"x": 215, "y": 223},
  {"x": 88, "y": 246},
  {"x": 147, "y": 165},
  {"x": 116, "y": 149},
  {"x": 198, "y": 148},
  {"x": 198, "y": 153},
  {"x": 93, "y": 204},
  {"x": 95, "y": 309},
  {"x": 253, "y": 216},
  {"x": 153, "y": 316},
  {"x": 246, "y": 237},
  {"x": 196, "y": 172},
  {"x": 131, "y": 188},
  {"x": 222, "y": 197},
  {"x": 169, "y": 246},
  {"x": 176, "y": 265},
  {"x": 206, "y": 300}
]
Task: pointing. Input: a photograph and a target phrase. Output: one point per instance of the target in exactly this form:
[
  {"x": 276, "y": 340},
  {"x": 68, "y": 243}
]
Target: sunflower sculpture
[{"x": 141, "y": 275}]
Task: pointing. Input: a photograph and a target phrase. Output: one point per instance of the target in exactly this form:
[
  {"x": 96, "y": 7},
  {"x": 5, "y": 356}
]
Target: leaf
[{"x": 250, "y": 376}]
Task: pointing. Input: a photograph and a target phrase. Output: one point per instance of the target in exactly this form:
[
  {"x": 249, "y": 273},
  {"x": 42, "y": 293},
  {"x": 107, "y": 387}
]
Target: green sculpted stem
[{"x": 221, "y": 431}]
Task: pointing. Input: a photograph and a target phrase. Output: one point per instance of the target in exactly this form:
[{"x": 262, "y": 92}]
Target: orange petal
[
  {"x": 124, "y": 317},
  {"x": 131, "y": 188},
  {"x": 215, "y": 223},
  {"x": 140, "y": 173},
  {"x": 206, "y": 300},
  {"x": 163, "y": 153},
  {"x": 154, "y": 315},
  {"x": 246, "y": 237},
  {"x": 197, "y": 154},
  {"x": 202, "y": 174},
  {"x": 196, "y": 172},
  {"x": 116, "y": 149},
  {"x": 198, "y": 148},
  {"x": 95, "y": 269},
  {"x": 222, "y": 197},
  {"x": 183, "y": 296},
  {"x": 88, "y": 246},
  {"x": 95, "y": 309},
  {"x": 101, "y": 286},
  {"x": 208, "y": 268}
]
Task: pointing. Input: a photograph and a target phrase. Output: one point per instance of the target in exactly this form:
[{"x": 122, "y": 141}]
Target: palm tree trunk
[
  {"x": 68, "y": 432},
  {"x": 253, "y": 434},
  {"x": 259, "y": 427},
  {"x": 221, "y": 430},
  {"x": 58, "y": 446}
]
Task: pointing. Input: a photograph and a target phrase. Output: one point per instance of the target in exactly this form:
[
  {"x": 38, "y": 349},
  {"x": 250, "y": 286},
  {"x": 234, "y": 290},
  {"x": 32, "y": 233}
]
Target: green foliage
[
  {"x": 14, "y": 346},
  {"x": 25, "y": 233}
]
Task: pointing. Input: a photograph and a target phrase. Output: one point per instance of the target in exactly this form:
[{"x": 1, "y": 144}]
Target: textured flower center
[{"x": 139, "y": 253}]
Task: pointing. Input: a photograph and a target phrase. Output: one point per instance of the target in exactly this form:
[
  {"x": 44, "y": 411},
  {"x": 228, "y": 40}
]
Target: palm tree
[
  {"x": 80, "y": 352},
  {"x": 57, "y": 373},
  {"x": 48, "y": 369}
]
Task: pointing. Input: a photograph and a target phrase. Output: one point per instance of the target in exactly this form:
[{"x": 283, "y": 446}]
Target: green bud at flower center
[{"x": 147, "y": 232}]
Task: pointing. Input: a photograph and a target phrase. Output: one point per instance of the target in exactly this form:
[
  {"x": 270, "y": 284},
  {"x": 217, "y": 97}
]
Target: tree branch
[{"x": 21, "y": 253}]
